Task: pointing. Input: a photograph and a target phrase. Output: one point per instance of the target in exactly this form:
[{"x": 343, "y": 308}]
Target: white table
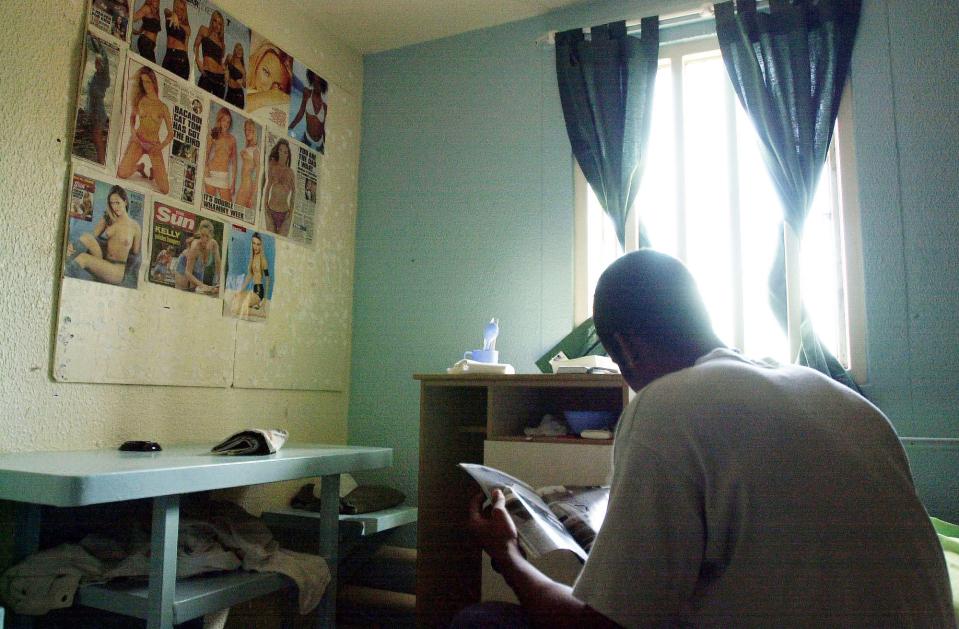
[{"x": 78, "y": 478}]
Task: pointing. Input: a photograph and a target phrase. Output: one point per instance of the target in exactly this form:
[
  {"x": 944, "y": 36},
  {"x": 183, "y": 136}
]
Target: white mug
[{"x": 483, "y": 355}]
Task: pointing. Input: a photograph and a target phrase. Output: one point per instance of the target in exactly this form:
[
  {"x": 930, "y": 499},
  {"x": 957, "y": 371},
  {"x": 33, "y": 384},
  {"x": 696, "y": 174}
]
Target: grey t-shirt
[{"x": 749, "y": 494}]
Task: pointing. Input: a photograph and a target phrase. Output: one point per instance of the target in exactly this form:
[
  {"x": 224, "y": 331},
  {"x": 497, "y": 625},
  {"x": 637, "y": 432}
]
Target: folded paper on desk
[
  {"x": 252, "y": 441},
  {"x": 582, "y": 341},
  {"x": 583, "y": 364},
  {"x": 475, "y": 367}
]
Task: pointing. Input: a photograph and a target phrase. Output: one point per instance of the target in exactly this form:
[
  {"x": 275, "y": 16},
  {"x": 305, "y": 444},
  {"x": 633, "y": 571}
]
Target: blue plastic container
[{"x": 578, "y": 421}]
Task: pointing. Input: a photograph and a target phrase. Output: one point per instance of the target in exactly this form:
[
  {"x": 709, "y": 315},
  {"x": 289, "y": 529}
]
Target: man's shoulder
[
  {"x": 731, "y": 368},
  {"x": 717, "y": 368},
  {"x": 725, "y": 380}
]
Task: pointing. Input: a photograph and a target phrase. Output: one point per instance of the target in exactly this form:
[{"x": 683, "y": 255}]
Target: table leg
[
  {"x": 26, "y": 541},
  {"x": 163, "y": 544},
  {"x": 329, "y": 546}
]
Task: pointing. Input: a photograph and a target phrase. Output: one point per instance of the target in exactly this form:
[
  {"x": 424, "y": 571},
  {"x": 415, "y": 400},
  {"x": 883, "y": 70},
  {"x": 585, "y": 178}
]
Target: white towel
[
  {"x": 253, "y": 543},
  {"x": 48, "y": 579},
  {"x": 212, "y": 536}
]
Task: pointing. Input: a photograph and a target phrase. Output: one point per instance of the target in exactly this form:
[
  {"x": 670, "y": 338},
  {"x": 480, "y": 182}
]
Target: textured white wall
[{"x": 40, "y": 45}]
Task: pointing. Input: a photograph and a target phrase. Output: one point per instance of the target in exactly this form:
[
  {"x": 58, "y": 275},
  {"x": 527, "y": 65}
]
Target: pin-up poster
[
  {"x": 250, "y": 274},
  {"x": 290, "y": 189},
  {"x": 97, "y": 99},
  {"x": 104, "y": 231},
  {"x": 186, "y": 250},
  {"x": 231, "y": 164},
  {"x": 161, "y": 131},
  {"x": 220, "y": 52},
  {"x": 161, "y": 33},
  {"x": 270, "y": 81},
  {"x": 308, "y": 107}
]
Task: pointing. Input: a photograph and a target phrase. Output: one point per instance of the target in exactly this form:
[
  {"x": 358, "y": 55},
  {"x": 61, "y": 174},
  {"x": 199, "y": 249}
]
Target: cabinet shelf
[
  {"x": 476, "y": 418},
  {"x": 194, "y": 596},
  {"x": 560, "y": 439}
]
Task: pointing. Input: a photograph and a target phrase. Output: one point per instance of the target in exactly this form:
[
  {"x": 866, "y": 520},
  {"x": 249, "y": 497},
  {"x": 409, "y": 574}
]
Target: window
[{"x": 707, "y": 199}]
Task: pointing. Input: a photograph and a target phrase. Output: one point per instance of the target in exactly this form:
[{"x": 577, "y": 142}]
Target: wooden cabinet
[{"x": 461, "y": 416}]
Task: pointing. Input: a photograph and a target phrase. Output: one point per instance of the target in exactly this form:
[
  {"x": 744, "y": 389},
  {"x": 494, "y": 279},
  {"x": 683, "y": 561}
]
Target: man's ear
[{"x": 625, "y": 351}]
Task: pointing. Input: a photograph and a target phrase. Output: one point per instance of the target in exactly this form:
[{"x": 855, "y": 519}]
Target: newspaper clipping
[
  {"x": 104, "y": 231},
  {"x": 110, "y": 16},
  {"x": 231, "y": 175},
  {"x": 304, "y": 201},
  {"x": 308, "y": 107},
  {"x": 250, "y": 273},
  {"x": 160, "y": 140},
  {"x": 290, "y": 189},
  {"x": 96, "y": 102},
  {"x": 270, "y": 82},
  {"x": 185, "y": 250}
]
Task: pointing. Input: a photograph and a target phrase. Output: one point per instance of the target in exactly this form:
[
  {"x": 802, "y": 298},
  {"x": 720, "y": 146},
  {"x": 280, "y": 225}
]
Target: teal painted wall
[{"x": 465, "y": 212}]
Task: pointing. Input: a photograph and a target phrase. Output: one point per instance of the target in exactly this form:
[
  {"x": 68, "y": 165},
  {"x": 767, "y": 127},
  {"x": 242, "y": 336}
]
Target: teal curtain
[
  {"x": 788, "y": 67},
  {"x": 606, "y": 89}
]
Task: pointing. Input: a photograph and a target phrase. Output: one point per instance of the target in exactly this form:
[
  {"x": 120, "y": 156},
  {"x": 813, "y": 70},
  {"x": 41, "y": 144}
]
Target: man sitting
[{"x": 743, "y": 493}]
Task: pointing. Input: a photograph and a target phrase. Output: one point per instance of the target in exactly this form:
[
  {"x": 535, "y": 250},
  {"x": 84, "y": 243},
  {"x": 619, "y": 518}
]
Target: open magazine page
[
  {"x": 543, "y": 532},
  {"x": 580, "y": 509},
  {"x": 490, "y": 478},
  {"x": 539, "y": 531}
]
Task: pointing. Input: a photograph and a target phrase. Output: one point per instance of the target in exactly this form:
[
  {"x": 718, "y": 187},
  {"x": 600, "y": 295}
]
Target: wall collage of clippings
[{"x": 197, "y": 143}]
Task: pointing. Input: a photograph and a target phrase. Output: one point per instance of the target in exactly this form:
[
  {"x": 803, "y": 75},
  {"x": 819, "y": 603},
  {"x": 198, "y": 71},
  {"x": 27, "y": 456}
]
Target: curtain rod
[{"x": 679, "y": 18}]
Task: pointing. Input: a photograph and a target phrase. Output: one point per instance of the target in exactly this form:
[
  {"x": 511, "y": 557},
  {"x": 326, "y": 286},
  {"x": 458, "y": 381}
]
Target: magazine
[{"x": 550, "y": 518}]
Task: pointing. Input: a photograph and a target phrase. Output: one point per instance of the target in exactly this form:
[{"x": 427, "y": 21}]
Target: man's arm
[{"x": 547, "y": 603}]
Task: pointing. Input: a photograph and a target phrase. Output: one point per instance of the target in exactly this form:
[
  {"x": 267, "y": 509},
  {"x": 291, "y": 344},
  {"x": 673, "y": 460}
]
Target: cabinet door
[{"x": 540, "y": 464}]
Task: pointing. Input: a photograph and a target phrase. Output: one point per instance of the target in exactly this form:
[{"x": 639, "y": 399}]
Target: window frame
[{"x": 841, "y": 165}]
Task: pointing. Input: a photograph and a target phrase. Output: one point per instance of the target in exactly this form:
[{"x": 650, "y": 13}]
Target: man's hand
[
  {"x": 548, "y": 603},
  {"x": 493, "y": 528}
]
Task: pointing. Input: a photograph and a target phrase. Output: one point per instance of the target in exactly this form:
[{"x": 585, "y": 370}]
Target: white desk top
[{"x": 83, "y": 477}]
